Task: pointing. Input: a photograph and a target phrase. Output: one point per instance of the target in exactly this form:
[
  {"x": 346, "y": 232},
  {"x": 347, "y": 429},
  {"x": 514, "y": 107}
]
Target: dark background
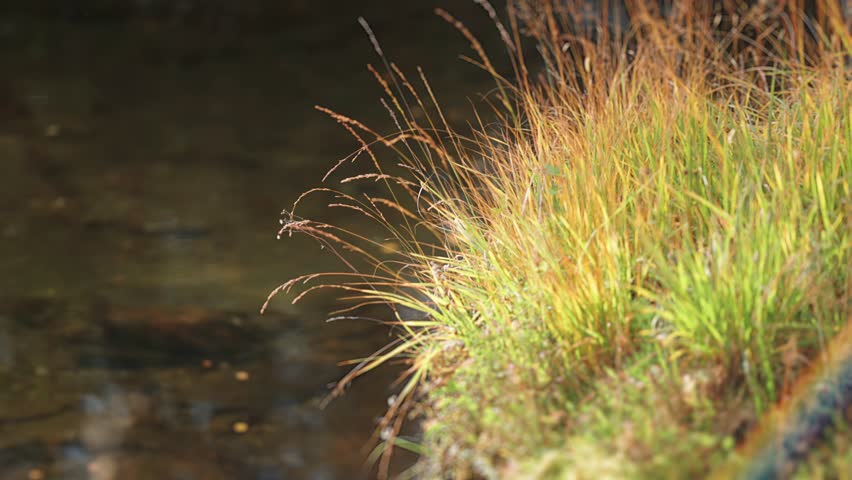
[{"x": 146, "y": 152}]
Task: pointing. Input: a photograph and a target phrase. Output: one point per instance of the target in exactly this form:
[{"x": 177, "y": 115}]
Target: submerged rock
[{"x": 183, "y": 331}]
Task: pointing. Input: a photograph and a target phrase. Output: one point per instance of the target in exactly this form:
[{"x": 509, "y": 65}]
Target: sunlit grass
[{"x": 611, "y": 276}]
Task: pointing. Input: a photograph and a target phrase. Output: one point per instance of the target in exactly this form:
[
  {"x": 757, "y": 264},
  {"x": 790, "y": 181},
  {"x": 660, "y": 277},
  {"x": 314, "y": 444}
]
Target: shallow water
[{"x": 145, "y": 160}]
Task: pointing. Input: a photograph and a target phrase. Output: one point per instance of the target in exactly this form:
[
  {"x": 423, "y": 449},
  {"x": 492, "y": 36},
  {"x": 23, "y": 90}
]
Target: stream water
[{"x": 144, "y": 159}]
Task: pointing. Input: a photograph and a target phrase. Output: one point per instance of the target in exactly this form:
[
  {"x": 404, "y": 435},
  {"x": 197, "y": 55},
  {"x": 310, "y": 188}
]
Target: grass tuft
[{"x": 630, "y": 261}]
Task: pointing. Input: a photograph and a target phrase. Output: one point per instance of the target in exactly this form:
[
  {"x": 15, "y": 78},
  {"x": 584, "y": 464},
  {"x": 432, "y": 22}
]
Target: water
[{"x": 145, "y": 158}]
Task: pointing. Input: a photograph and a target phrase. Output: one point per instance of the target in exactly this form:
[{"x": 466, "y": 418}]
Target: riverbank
[{"x": 636, "y": 264}]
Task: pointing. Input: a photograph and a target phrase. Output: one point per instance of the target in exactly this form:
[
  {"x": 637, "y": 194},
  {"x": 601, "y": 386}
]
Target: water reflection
[
  {"x": 144, "y": 163},
  {"x": 179, "y": 385}
]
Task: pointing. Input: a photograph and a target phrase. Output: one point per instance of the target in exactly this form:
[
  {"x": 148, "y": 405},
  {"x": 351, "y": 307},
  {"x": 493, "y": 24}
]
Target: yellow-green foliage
[{"x": 611, "y": 280}]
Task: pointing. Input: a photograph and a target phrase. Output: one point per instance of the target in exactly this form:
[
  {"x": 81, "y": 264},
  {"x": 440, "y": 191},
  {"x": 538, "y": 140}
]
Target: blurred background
[{"x": 147, "y": 148}]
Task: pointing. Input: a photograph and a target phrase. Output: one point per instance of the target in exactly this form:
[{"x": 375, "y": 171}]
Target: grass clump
[{"x": 632, "y": 262}]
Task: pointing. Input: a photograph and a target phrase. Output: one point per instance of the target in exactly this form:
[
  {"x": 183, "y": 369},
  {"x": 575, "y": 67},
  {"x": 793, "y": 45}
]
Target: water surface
[{"x": 145, "y": 159}]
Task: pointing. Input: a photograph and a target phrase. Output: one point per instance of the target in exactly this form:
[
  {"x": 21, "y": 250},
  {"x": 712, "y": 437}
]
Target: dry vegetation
[{"x": 627, "y": 267}]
